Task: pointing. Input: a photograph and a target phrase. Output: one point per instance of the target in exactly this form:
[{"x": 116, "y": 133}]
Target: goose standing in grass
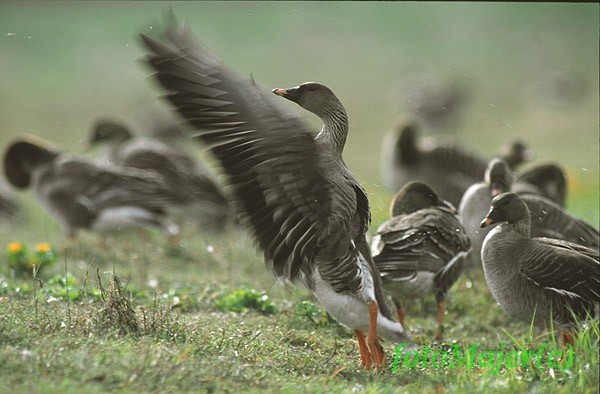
[
  {"x": 305, "y": 208},
  {"x": 81, "y": 194},
  {"x": 421, "y": 249},
  {"x": 8, "y": 205},
  {"x": 476, "y": 202},
  {"x": 548, "y": 218},
  {"x": 436, "y": 161},
  {"x": 196, "y": 187},
  {"x": 548, "y": 281}
]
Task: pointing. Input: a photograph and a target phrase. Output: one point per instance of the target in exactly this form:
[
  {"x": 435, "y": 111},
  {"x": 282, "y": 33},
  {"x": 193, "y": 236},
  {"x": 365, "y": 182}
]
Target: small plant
[
  {"x": 243, "y": 299},
  {"x": 22, "y": 261},
  {"x": 313, "y": 313},
  {"x": 118, "y": 311}
]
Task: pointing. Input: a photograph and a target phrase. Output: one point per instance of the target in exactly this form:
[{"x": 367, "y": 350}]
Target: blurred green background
[{"x": 64, "y": 65}]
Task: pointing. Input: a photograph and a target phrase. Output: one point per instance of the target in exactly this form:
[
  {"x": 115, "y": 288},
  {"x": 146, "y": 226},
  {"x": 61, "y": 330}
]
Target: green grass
[
  {"x": 67, "y": 64},
  {"x": 185, "y": 338}
]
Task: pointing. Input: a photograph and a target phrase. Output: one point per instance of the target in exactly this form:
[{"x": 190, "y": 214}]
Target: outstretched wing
[{"x": 267, "y": 152}]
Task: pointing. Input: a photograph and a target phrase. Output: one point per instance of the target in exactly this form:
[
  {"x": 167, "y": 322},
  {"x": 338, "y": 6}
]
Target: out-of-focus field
[{"x": 64, "y": 65}]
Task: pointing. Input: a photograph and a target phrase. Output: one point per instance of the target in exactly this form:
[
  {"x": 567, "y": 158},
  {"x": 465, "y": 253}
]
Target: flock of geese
[{"x": 309, "y": 214}]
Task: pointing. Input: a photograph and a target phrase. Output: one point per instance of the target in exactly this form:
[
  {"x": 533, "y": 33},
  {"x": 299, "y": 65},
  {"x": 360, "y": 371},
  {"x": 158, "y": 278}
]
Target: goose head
[
  {"x": 498, "y": 177},
  {"x": 550, "y": 177},
  {"x": 313, "y": 97},
  {"x": 516, "y": 153},
  {"x": 107, "y": 130},
  {"x": 506, "y": 207},
  {"x": 406, "y": 145},
  {"x": 415, "y": 196},
  {"x": 23, "y": 156}
]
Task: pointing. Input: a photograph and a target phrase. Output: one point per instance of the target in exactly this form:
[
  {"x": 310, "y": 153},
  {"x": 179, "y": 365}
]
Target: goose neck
[
  {"x": 522, "y": 227},
  {"x": 335, "y": 129}
]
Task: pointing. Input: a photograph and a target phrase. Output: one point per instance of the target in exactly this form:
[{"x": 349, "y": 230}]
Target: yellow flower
[
  {"x": 15, "y": 247},
  {"x": 43, "y": 247}
]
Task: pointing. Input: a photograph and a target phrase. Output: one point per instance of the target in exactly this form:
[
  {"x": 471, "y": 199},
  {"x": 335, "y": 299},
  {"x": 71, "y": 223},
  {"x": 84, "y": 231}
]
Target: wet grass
[
  {"x": 197, "y": 309},
  {"x": 171, "y": 322}
]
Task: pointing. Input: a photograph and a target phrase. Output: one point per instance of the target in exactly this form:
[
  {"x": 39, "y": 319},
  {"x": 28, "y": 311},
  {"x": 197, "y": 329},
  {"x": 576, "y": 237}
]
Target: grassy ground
[
  {"x": 66, "y": 64},
  {"x": 177, "y": 337}
]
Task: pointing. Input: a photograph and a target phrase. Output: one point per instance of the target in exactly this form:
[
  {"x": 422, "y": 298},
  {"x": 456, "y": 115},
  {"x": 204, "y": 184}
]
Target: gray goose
[
  {"x": 9, "y": 207},
  {"x": 514, "y": 154},
  {"x": 81, "y": 194},
  {"x": 303, "y": 205},
  {"x": 421, "y": 249},
  {"x": 543, "y": 179},
  {"x": 476, "y": 202},
  {"x": 436, "y": 161},
  {"x": 548, "y": 218},
  {"x": 547, "y": 281},
  {"x": 197, "y": 189}
]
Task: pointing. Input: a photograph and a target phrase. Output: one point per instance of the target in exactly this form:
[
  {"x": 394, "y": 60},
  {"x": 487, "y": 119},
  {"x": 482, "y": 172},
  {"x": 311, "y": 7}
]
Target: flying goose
[
  {"x": 421, "y": 249},
  {"x": 197, "y": 189},
  {"x": 81, "y": 194},
  {"x": 305, "y": 208},
  {"x": 547, "y": 281},
  {"x": 436, "y": 161},
  {"x": 548, "y": 218}
]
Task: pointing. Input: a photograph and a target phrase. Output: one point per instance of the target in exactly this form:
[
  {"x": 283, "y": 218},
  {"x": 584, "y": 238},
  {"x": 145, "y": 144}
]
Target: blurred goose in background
[
  {"x": 514, "y": 154},
  {"x": 548, "y": 218},
  {"x": 197, "y": 189},
  {"x": 421, "y": 249},
  {"x": 543, "y": 179},
  {"x": 81, "y": 194},
  {"x": 476, "y": 202},
  {"x": 438, "y": 101},
  {"x": 435, "y": 161},
  {"x": 305, "y": 208},
  {"x": 551, "y": 282},
  {"x": 9, "y": 208}
]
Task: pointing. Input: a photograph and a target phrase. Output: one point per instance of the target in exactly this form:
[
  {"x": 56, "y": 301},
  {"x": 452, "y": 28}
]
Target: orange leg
[
  {"x": 567, "y": 338},
  {"x": 401, "y": 313},
  {"x": 441, "y": 309},
  {"x": 365, "y": 356},
  {"x": 174, "y": 240},
  {"x": 372, "y": 341}
]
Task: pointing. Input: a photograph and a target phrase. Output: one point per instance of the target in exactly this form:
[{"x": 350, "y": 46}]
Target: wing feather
[{"x": 267, "y": 151}]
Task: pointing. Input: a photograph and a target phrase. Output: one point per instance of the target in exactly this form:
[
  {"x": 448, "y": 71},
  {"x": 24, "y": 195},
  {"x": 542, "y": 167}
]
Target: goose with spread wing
[
  {"x": 421, "y": 249},
  {"x": 305, "y": 208},
  {"x": 82, "y": 194},
  {"x": 548, "y": 281}
]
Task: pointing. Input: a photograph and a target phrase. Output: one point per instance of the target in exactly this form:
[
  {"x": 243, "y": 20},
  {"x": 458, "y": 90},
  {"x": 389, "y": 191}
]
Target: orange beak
[
  {"x": 280, "y": 92},
  {"x": 486, "y": 222}
]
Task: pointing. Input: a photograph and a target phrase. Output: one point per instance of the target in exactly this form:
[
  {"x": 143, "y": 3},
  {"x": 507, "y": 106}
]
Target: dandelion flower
[
  {"x": 15, "y": 247},
  {"x": 43, "y": 247}
]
